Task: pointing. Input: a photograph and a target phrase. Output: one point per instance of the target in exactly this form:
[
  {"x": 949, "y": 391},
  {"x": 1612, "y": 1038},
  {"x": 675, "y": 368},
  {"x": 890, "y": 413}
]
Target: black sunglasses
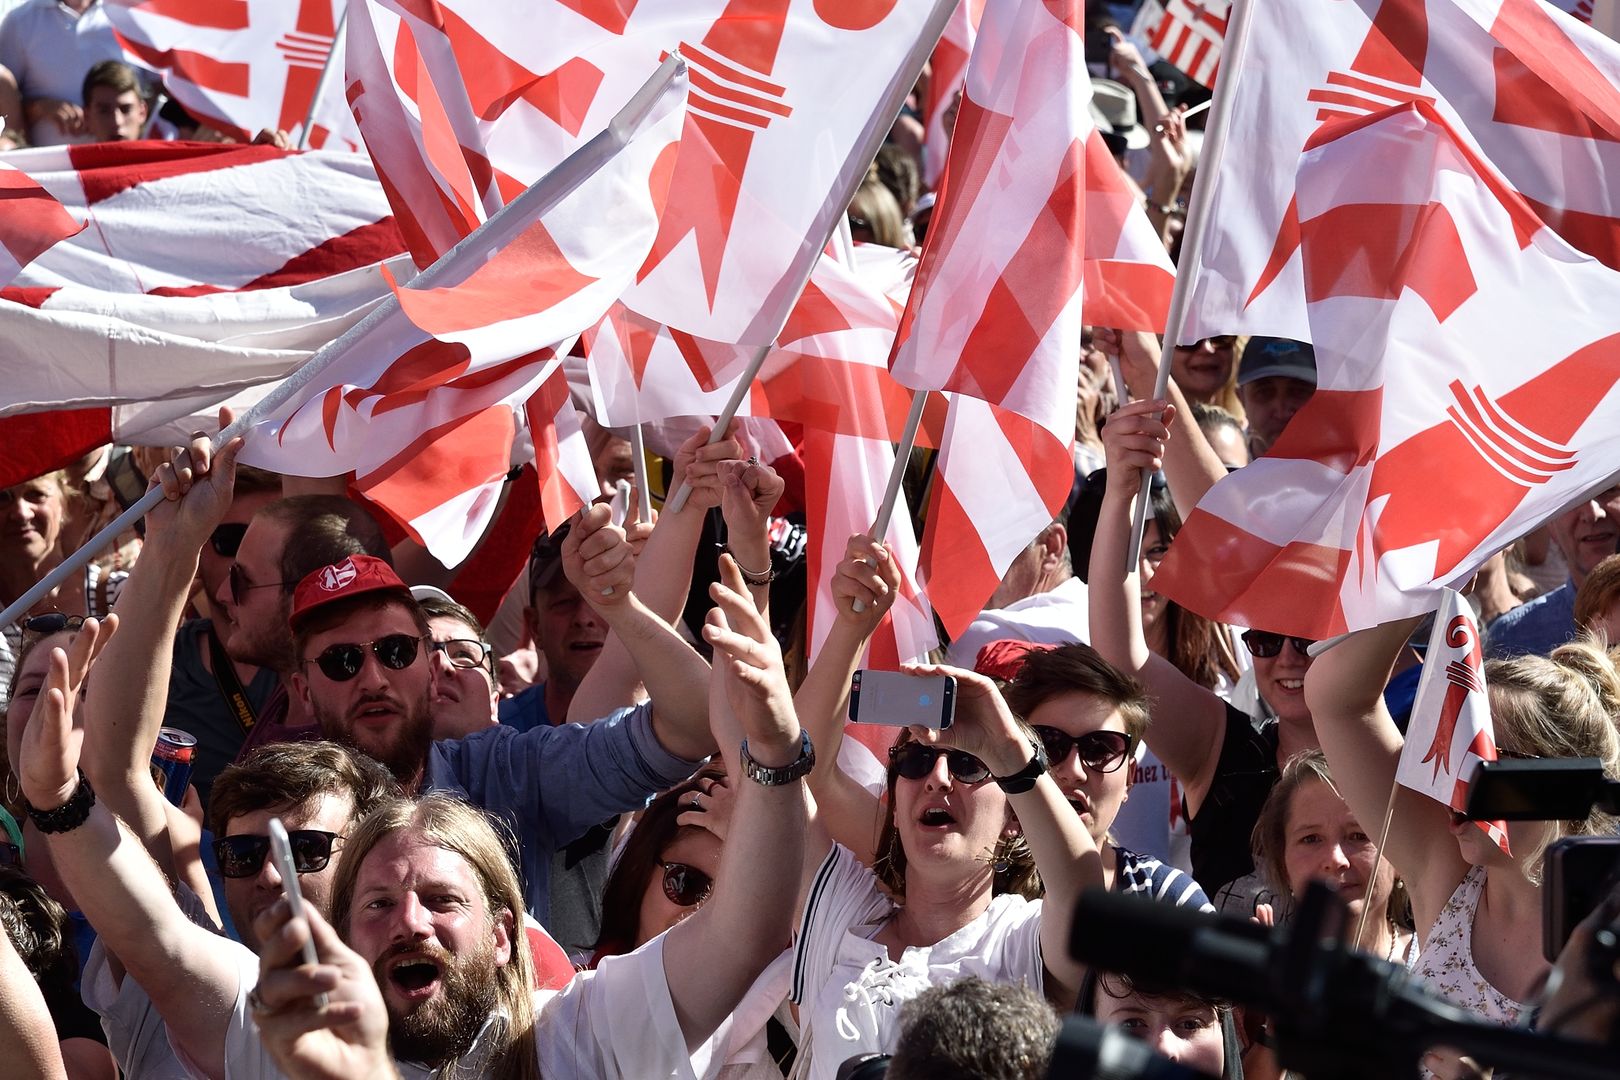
[
  {"x": 915, "y": 761},
  {"x": 340, "y": 663},
  {"x": 1265, "y": 644},
  {"x": 240, "y": 587},
  {"x": 227, "y": 538},
  {"x": 242, "y": 856},
  {"x": 53, "y": 622},
  {"x": 685, "y": 886},
  {"x": 1100, "y": 751}
]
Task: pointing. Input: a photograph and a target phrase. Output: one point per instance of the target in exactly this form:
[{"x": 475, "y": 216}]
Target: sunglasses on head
[
  {"x": 240, "y": 587},
  {"x": 226, "y": 538},
  {"x": 340, "y": 663},
  {"x": 1265, "y": 645},
  {"x": 53, "y": 622},
  {"x": 685, "y": 886},
  {"x": 243, "y": 856},
  {"x": 1100, "y": 751},
  {"x": 915, "y": 761}
]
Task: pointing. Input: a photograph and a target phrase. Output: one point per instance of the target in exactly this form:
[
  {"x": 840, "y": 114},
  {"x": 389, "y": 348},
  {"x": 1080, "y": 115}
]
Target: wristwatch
[
  {"x": 769, "y": 777},
  {"x": 70, "y": 815},
  {"x": 1024, "y": 779}
]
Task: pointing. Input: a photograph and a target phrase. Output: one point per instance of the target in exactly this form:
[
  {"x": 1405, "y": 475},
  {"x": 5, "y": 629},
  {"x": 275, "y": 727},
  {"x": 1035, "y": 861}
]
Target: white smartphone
[
  {"x": 281, "y": 852},
  {"x": 896, "y": 699}
]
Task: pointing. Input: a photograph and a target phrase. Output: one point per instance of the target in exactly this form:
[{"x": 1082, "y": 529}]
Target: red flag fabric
[
  {"x": 947, "y": 70},
  {"x": 464, "y": 102},
  {"x": 427, "y": 423},
  {"x": 1450, "y": 731},
  {"x": 31, "y": 223},
  {"x": 1419, "y": 267},
  {"x": 243, "y": 65},
  {"x": 1531, "y": 89},
  {"x": 1188, "y": 34},
  {"x": 1034, "y": 232}
]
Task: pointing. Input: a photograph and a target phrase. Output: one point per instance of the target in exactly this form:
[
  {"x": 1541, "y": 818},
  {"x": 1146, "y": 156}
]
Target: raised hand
[
  {"x": 54, "y": 739},
  {"x": 197, "y": 488},
  {"x": 749, "y": 491},
  {"x": 598, "y": 558},
  {"x": 984, "y": 726},
  {"x": 697, "y": 464},
  {"x": 344, "y": 1039},
  {"x": 868, "y": 574},
  {"x": 709, "y": 806},
  {"x": 636, "y": 530},
  {"x": 1133, "y": 440},
  {"x": 749, "y": 661}
]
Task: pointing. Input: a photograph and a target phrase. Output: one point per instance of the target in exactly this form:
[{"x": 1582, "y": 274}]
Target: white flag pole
[
  {"x": 539, "y": 199},
  {"x": 638, "y": 458},
  {"x": 902, "y": 455},
  {"x": 325, "y": 81},
  {"x": 1192, "y": 238}
]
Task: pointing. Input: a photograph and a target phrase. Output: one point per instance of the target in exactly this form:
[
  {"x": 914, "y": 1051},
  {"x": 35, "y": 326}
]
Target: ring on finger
[
  {"x": 256, "y": 1003},
  {"x": 753, "y": 459}
]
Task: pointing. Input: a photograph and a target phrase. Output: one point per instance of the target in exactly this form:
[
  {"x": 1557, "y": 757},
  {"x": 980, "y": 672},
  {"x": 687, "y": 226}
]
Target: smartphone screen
[{"x": 896, "y": 699}]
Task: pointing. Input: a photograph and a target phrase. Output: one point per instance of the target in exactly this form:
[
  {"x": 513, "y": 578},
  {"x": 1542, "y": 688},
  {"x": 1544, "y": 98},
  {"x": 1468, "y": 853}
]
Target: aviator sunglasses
[
  {"x": 915, "y": 761},
  {"x": 1100, "y": 751},
  {"x": 685, "y": 886},
  {"x": 242, "y": 856},
  {"x": 1265, "y": 645},
  {"x": 340, "y": 663}
]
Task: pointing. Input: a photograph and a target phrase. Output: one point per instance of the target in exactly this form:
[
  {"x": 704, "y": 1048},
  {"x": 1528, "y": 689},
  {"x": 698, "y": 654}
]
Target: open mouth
[
  {"x": 1081, "y": 804},
  {"x": 936, "y": 817},
  {"x": 415, "y": 978},
  {"x": 1292, "y": 686},
  {"x": 376, "y": 713}
]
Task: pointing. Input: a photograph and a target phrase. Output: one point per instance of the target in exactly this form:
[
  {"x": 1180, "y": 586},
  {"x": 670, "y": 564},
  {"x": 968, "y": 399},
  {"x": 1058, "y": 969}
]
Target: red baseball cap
[
  {"x": 354, "y": 576},
  {"x": 1002, "y": 659}
]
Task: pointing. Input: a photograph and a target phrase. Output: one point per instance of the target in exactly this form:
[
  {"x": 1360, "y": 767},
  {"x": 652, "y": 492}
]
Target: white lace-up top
[{"x": 849, "y": 990}]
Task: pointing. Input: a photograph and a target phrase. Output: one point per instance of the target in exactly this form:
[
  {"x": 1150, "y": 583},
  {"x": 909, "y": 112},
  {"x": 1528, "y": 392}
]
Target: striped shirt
[{"x": 1137, "y": 873}]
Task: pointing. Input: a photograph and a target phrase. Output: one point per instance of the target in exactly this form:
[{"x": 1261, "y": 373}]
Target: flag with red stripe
[
  {"x": 464, "y": 102},
  {"x": 1460, "y": 343},
  {"x": 424, "y": 405},
  {"x": 243, "y": 65},
  {"x": 31, "y": 221},
  {"x": 947, "y": 70},
  {"x": 1531, "y": 89},
  {"x": 1450, "y": 731},
  {"x": 1188, "y": 34}
]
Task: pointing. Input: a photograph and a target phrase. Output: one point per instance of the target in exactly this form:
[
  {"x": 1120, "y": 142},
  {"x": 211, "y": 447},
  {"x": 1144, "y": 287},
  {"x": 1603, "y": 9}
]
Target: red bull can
[{"x": 172, "y": 758}]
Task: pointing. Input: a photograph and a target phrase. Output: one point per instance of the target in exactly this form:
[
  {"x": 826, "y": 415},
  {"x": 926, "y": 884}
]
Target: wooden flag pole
[
  {"x": 1192, "y": 238},
  {"x": 325, "y": 80}
]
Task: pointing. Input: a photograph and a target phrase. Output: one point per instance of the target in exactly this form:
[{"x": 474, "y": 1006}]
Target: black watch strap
[
  {"x": 1024, "y": 779},
  {"x": 70, "y": 815}
]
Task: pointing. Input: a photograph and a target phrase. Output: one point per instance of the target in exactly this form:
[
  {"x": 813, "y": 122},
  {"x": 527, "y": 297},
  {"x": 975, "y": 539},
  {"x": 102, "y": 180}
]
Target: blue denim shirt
[
  {"x": 550, "y": 784},
  {"x": 1538, "y": 627}
]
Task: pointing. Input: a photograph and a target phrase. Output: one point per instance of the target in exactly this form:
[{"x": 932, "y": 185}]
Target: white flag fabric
[
  {"x": 1461, "y": 345},
  {"x": 243, "y": 65},
  {"x": 463, "y": 102},
  {"x": 426, "y": 423},
  {"x": 1450, "y": 731},
  {"x": 1533, "y": 90},
  {"x": 947, "y": 70}
]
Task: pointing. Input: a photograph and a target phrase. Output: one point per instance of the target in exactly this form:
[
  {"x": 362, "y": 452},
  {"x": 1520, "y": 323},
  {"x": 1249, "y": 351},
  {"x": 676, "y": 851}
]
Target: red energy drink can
[{"x": 172, "y": 758}]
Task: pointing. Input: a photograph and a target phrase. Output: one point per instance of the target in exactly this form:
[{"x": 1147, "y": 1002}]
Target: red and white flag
[
  {"x": 243, "y": 65},
  {"x": 1187, "y": 33},
  {"x": 423, "y": 405},
  {"x": 464, "y": 101},
  {"x": 947, "y": 71},
  {"x": 1450, "y": 732},
  {"x": 1580, "y": 9},
  {"x": 1533, "y": 90},
  {"x": 1035, "y": 234},
  {"x": 153, "y": 318},
  {"x": 32, "y": 221},
  {"x": 1461, "y": 345}
]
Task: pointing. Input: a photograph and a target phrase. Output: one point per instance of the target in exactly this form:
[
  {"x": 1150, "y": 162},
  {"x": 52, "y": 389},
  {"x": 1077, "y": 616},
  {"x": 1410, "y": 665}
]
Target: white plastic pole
[{"x": 325, "y": 80}]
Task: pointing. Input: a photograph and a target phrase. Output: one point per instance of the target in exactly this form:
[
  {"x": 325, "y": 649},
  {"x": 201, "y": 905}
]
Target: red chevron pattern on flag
[
  {"x": 242, "y": 65},
  {"x": 1034, "y": 224},
  {"x": 31, "y": 223},
  {"x": 1450, "y": 732},
  {"x": 1187, "y": 33},
  {"x": 463, "y": 102},
  {"x": 947, "y": 70},
  {"x": 153, "y": 318},
  {"x": 1531, "y": 89},
  {"x": 1419, "y": 267},
  {"x": 427, "y": 423}
]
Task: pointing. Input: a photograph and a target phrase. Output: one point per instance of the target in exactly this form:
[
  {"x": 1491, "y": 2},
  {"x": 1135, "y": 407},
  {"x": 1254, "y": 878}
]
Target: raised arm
[
  {"x": 28, "y": 1043},
  {"x": 1064, "y": 852},
  {"x": 1189, "y": 722},
  {"x": 846, "y": 811},
  {"x": 598, "y": 560},
  {"x": 713, "y": 958},
  {"x": 197, "y": 490},
  {"x": 663, "y": 573},
  {"x": 1345, "y": 691},
  {"x": 189, "y": 973}
]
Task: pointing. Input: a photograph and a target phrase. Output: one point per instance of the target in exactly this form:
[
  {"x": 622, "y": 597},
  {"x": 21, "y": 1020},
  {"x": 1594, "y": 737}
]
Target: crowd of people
[{"x": 619, "y": 824}]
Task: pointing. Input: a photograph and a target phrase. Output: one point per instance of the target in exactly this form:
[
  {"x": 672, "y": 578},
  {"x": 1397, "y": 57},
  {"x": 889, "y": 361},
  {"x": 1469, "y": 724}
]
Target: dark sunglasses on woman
[
  {"x": 52, "y": 622},
  {"x": 684, "y": 885},
  {"x": 340, "y": 663},
  {"x": 242, "y": 856},
  {"x": 1265, "y": 645},
  {"x": 915, "y": 761},
  {"x": 1100, "y": 751}
]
